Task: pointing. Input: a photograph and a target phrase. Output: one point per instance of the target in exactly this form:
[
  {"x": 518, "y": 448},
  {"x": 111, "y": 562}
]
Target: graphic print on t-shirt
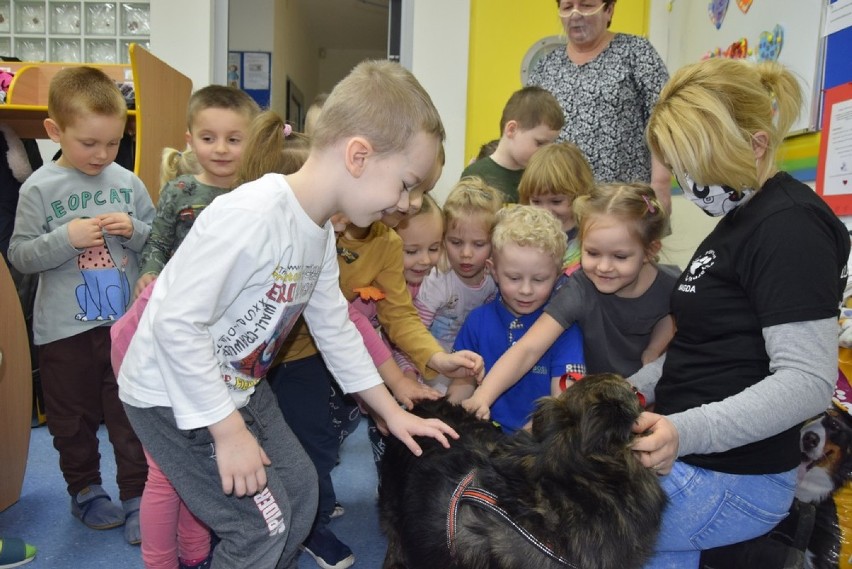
[{"x": 253, "y": 340}]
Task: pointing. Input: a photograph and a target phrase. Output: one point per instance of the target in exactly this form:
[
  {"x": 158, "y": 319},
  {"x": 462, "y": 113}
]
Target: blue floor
[{"x": 42, "y": 516}]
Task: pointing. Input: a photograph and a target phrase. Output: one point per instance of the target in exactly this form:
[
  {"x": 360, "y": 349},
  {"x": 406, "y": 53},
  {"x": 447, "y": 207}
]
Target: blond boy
[{"x": 80, "y": 223}]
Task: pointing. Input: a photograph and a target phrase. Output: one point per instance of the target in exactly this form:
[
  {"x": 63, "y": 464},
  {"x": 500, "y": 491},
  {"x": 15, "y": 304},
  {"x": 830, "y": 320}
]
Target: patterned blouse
[
  {"x": 181, "y": 201},
  {"x": 607, "y": 103}
]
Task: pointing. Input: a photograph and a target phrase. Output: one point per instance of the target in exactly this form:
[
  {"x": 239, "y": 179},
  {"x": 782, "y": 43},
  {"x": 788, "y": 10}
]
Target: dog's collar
[{"x": 486, "y": 500}]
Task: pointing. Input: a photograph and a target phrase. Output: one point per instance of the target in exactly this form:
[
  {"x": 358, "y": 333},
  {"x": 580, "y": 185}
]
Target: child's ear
[
  {"x": 357, "y": 150},
  {"x": 188, "y": 137},
  {"x": 653, "y": 250},
  {"x": 53, "y": 130},
  {"x": 489, "y": 265},
  {"x": 511, "y": 129}
]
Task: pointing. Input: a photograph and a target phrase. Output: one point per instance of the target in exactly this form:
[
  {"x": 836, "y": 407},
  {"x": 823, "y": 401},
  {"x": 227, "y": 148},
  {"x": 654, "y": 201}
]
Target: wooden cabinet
[{"x": 158, "y": 121}]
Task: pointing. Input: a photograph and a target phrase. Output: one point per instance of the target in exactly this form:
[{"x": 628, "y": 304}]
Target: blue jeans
[{"x": 709, "y": 509}]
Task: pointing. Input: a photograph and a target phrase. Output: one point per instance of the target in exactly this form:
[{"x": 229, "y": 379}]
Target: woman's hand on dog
[{"x": 657, "y": 444}]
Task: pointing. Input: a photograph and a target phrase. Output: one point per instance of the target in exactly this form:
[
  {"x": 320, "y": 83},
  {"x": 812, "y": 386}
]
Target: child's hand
[
  {"x": 403, "y": 425},
  {"x": 85, "y": 232},
  {"x": 460, "y": 389},
  {"x": 240, "y": 458},
  {"x": 117, "y": 223},
  {"x": 143, "y": 281},
  {"x": 409, "y": 392},
  {"x": 463, "y": 363},
  {"x": 478, "y": 407}
]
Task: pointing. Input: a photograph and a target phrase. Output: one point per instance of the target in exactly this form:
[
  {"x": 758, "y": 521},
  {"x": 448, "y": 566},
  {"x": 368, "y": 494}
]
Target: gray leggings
[{"x": 260, "y": 531}]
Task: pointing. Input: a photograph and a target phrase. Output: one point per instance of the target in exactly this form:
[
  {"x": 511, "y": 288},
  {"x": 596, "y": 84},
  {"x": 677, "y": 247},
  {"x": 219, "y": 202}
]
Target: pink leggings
[{"x": 169, "y": 530}]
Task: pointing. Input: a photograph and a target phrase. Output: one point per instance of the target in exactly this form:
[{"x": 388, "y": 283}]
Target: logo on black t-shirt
[{"x": 699, "y": 265}]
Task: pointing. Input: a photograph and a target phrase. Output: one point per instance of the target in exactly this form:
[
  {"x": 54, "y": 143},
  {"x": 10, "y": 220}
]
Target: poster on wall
[
  {"x": 250, "y": 71},
  {"x": 834, "y": 169}
]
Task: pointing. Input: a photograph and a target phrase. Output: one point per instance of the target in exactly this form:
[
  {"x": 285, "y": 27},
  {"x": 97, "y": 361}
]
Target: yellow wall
[{"x": 501, "y": 32}]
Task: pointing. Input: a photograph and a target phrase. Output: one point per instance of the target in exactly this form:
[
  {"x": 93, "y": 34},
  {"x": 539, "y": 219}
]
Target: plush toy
[{"x": 16, "y": 164}]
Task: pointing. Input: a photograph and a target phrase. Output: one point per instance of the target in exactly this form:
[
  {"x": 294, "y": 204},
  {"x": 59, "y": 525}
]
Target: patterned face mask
[{"x": 714, "y": 200}]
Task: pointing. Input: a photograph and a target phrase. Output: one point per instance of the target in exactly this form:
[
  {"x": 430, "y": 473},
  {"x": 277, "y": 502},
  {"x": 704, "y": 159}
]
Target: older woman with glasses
[{"x": 607, "y": 84}]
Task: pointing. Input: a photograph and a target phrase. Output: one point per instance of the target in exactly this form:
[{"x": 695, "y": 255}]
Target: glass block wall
[{"x": 72, "y": 31}]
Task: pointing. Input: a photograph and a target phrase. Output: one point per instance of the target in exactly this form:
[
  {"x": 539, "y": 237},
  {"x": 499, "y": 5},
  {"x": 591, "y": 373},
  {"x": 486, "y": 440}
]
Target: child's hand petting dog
[
  {"x": 657, "y": 447},
  {"x": 402, "y": 424}
]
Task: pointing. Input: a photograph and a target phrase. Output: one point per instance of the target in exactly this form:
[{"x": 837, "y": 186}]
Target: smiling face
[
  {"x": 421, "y": 245},
  {"x": 614, "y": 259},
  {"x": 89, "y": 142},
  {"x": 217, "y": 136},
  {"x": 468, "y": 245},
  {"x": 525, "y": 277},
  {"x": 560, "y": 205},
  {"x": 383, "y": 183}
]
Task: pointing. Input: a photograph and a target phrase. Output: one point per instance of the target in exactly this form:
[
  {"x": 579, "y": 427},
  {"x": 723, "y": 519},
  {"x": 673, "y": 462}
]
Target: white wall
[
  {"x": 335, "y": 64},
  {"x": 189, "y": 36},
  {"x": 437, "y": 34}
]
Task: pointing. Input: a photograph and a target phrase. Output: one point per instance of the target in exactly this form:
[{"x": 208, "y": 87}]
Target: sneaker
[
  {"x": 328, "y": 551},
  {"x": 203, "y": 564},
  {"x": 93, "y": 506},
  {"x": 337, "y": 511},
  {"x": 14, "y": 552}
]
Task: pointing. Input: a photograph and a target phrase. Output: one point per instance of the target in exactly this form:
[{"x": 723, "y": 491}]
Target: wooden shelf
[{"x": 159, "y": 120}]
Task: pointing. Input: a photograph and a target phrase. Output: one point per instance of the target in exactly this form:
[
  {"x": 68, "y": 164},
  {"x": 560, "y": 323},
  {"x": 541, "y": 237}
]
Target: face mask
[{"x": 714, "y": 200}]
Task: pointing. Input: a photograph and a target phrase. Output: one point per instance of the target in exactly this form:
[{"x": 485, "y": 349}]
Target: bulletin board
[
  {"x": 251, "y": 72},
  {"x": 699, "y": 28},
  {"x": 834, "y": 168}
]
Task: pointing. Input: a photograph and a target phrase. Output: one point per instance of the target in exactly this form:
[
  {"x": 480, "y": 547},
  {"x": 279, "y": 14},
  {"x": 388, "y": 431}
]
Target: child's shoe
[
  {"x": 328, "y": 551},
  {"x": 132, "y": 532},
  {"x": 204, "y": 564},
  {"x": 14, "y": 552},
  {"x": 95, "y": 508},
  {"x": 337, "y": 511}
]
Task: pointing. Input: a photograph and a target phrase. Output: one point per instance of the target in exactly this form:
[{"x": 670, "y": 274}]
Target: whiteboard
[{"x": 692, "y": 34}]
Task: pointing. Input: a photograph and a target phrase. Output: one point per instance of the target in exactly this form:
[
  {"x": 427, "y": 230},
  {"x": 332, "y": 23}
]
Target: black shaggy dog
[{"x": 569, "y": 494}]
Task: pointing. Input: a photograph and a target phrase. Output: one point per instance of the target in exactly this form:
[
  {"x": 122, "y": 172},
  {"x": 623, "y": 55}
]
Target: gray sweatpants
[{"x": 264, "y": 530}]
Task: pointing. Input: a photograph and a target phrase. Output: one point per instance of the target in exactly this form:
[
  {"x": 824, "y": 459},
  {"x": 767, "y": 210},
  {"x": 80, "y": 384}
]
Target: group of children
[{"x": 249, "y": 320}]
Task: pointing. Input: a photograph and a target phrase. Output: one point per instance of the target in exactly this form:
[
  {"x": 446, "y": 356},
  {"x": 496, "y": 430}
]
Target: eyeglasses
[{"x": 568, "y": 12}]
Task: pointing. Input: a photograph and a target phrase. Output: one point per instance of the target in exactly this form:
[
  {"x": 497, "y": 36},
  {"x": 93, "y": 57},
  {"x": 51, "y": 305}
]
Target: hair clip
[
  {"x": 288, "y": 129},
  {"x": 651, "y": 208}
]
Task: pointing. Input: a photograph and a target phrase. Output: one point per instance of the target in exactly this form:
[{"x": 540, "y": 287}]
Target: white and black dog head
[{"x": 826, "y": 445}]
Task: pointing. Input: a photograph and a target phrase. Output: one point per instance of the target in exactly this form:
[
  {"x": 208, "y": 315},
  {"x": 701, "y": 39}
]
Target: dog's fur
[
  {"x": 826, "y": 444},
  {"x": 573, "y": 483}
]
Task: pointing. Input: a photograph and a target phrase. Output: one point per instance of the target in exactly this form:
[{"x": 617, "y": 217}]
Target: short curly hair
[{"x": 529, "y": 226}]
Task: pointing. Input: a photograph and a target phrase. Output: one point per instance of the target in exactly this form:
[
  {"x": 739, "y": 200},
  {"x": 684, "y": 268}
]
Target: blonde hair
[
  {"x": 176, "y": 163},
  {"x": 532, "y": 106},
  {"x": 634, "y": 204},
  {"x": 470, "y": 199},
  {"x": 313, "y": 113},
  {"x": 74, "y": 91},
  {"x": 220, "y": 97},
  {"x": 427, "y": 207},
  {"x": 529, "y": 226},
  {"x": 707, "y": 115},
  {"x": 381, "y": 101},
  {"x": 557, "y": 169},
  {"x": 269, "y": 149}
]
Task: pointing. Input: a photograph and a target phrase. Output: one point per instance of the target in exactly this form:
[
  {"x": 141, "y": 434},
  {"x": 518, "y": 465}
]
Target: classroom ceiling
[{"x": 347, "y": 24}]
